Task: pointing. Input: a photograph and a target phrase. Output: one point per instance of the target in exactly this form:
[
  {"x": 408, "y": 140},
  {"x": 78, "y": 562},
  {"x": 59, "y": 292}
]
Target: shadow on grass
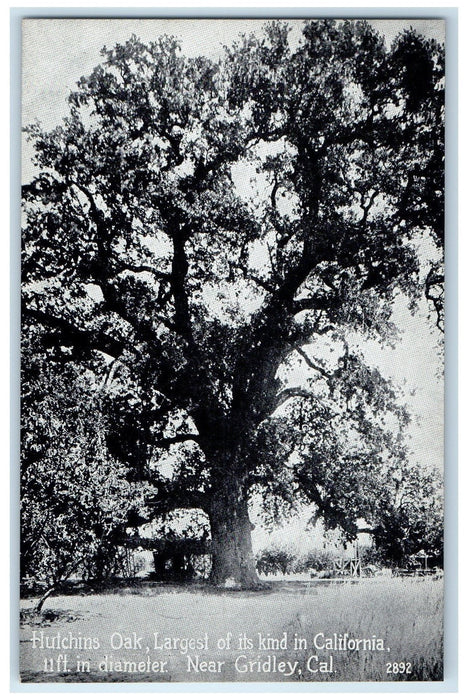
[
  {"x": 47, "y": 617},
  {"x": 126, "y": 587}
]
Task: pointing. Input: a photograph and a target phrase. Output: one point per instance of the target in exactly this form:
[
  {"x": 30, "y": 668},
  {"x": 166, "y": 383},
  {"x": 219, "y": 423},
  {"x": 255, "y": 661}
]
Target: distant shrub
[
  {"x": 286, "y": 559},
  {"x": 315, "y": 559},
  {"x": 277, "y": 559}
]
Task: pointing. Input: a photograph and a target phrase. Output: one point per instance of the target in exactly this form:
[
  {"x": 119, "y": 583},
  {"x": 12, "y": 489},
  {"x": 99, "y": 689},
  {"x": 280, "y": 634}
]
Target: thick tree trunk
[{"x": 233, "y": 563}]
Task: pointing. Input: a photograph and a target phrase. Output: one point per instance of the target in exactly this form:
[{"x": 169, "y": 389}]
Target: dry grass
[{"x": 406, "y": 613}]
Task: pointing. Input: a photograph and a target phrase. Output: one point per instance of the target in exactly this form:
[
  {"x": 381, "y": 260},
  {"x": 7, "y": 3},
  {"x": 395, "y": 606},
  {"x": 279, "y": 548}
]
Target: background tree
[
  {"x": 75, "y": 500},
  {"x": 144, "y": 247},
  {"x": 410, "y": 516}
]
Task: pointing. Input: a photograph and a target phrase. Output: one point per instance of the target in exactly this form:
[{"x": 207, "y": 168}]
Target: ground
[{"x": 407, "y": 614}]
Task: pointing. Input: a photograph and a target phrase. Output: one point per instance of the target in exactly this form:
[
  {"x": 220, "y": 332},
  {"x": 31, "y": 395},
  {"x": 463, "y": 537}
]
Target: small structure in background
[
  {"x": 348, "y": 566},
  {"x": 181, "y": 559},
  {"x": 173, "y": 547},
  {"x": 419, "y": 564},
  {"x": 175, "y": 558},
  {"x": 422, "y": 558}
]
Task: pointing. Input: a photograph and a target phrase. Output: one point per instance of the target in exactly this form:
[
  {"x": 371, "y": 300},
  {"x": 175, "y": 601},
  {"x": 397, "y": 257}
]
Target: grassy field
[{"x": 407, "y": 614}]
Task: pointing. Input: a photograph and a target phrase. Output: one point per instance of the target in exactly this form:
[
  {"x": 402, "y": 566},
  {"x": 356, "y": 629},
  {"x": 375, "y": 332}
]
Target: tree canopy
[{"x": 199, "y": 229}]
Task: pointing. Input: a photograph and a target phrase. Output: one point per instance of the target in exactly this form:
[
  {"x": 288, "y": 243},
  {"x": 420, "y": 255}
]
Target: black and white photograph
[{"x": 232, "y": 350}]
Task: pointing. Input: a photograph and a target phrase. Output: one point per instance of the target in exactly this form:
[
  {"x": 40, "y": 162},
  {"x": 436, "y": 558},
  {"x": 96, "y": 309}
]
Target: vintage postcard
[{"x": 232, "y": 417}]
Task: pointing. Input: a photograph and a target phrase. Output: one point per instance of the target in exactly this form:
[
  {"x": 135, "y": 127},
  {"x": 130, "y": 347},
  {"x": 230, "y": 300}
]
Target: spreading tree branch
[
  {"x": 310, "y": 363},
  {"x": 68, "y": 334}
]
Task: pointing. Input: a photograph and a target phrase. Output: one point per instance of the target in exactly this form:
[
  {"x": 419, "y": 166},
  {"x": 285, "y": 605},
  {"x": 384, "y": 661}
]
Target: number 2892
[{"x": 398, "y": 667}]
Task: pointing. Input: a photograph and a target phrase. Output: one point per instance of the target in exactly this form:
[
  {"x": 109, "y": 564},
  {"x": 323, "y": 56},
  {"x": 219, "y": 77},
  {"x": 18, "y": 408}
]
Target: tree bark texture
[{"x": 233, "y": 563}]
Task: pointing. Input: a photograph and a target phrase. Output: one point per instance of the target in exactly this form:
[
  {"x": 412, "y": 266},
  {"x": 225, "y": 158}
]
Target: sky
[{"x": 56, "y": 53}]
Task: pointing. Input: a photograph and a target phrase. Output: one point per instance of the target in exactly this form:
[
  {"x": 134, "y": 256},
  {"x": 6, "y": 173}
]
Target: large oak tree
[{"x": 150, "y": 257}]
